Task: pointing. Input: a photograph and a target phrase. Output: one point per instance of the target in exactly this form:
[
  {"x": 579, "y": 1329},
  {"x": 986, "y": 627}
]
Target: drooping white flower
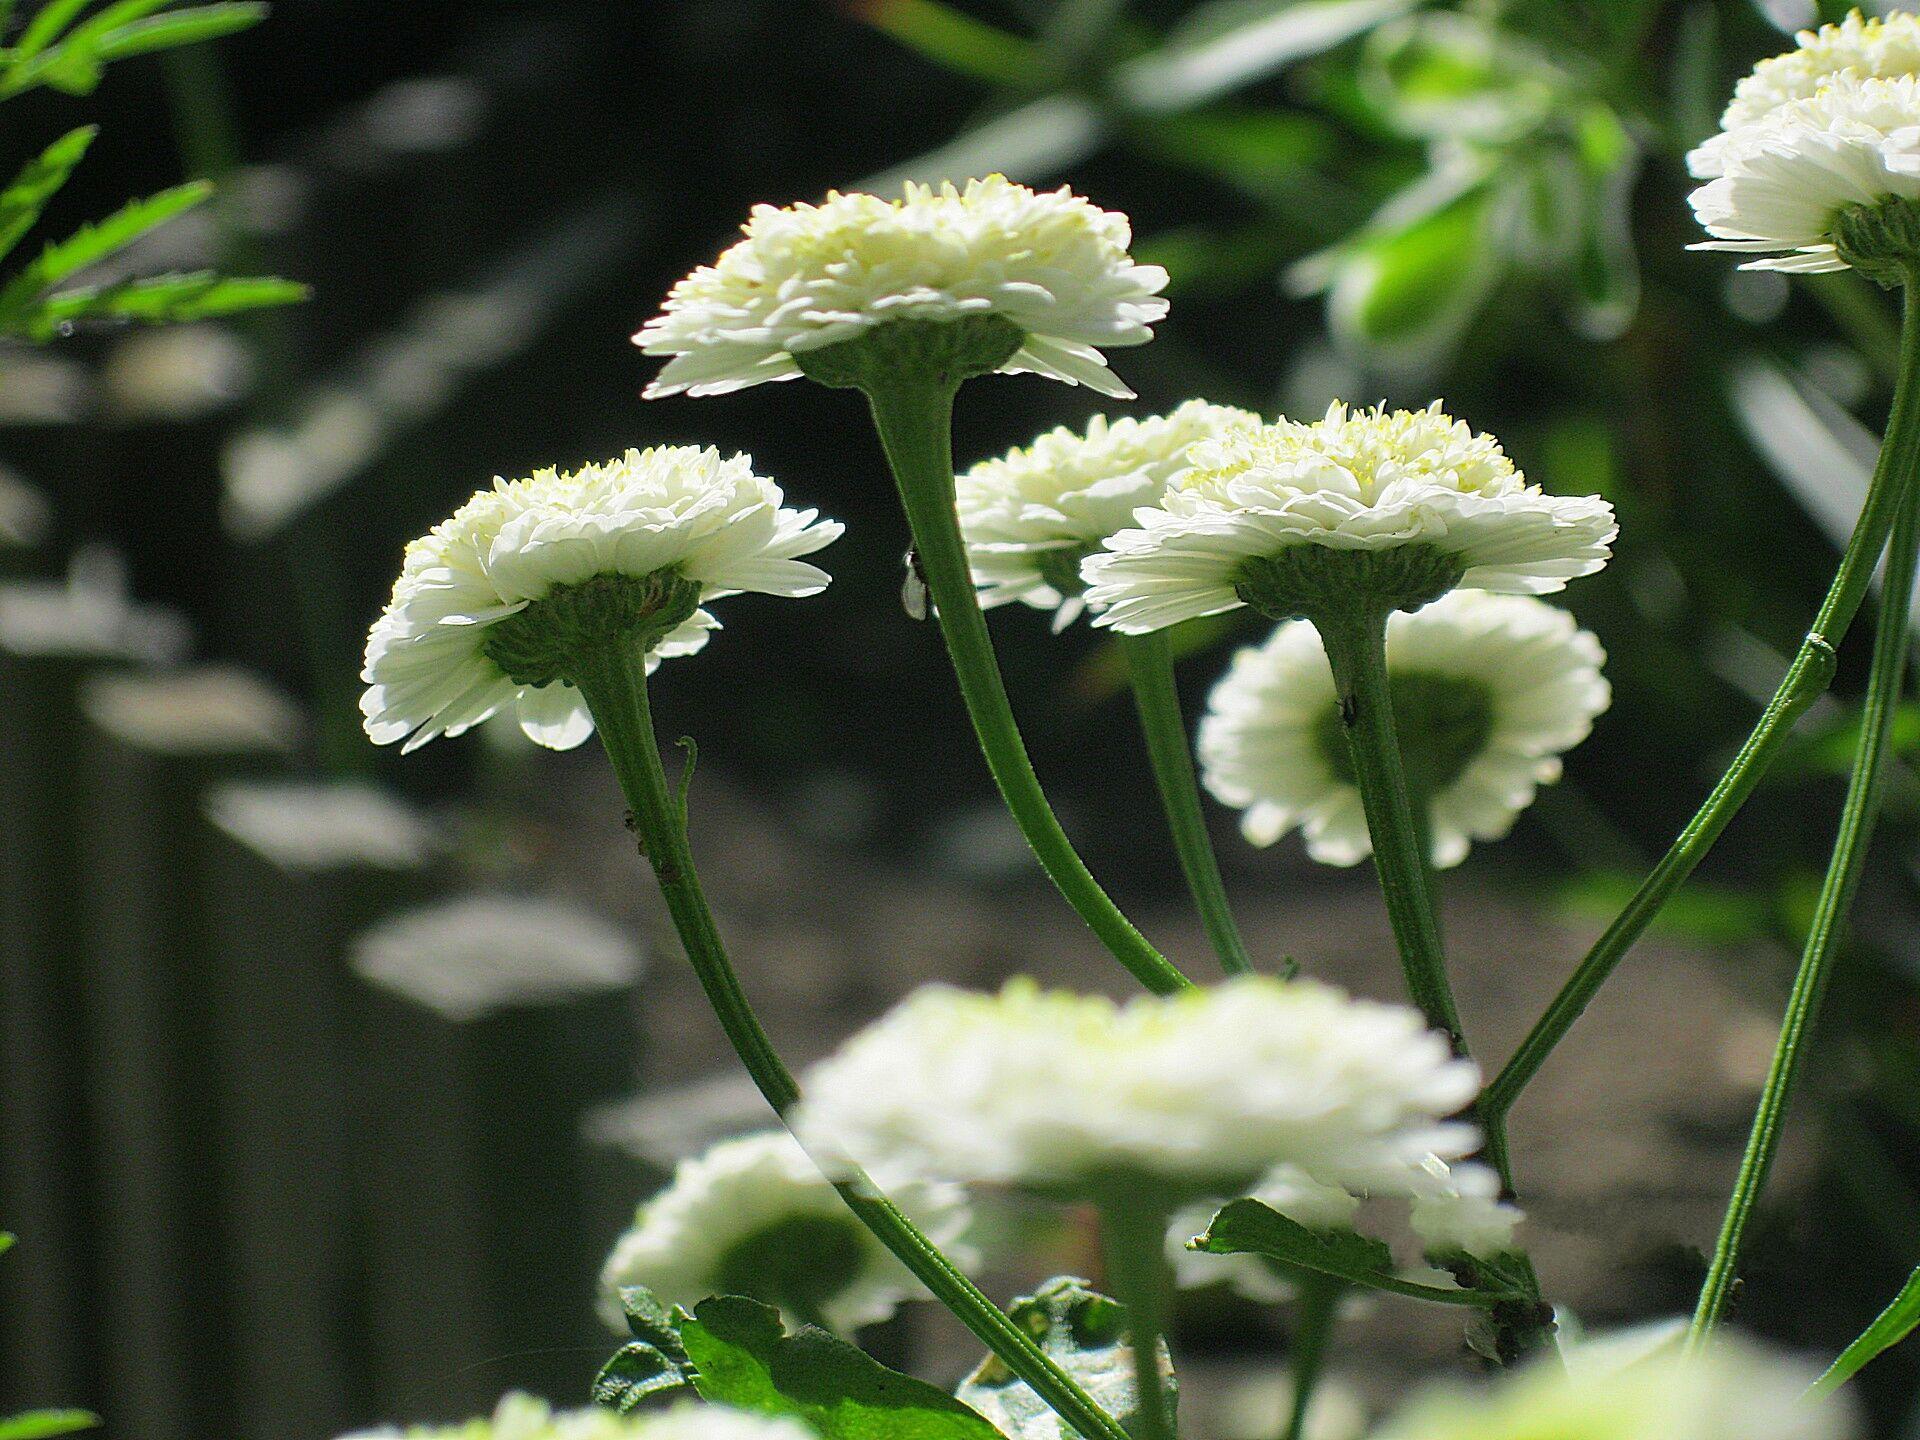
[
  {"x": 1489, "y": 691},
  {"x": 526, "y": 1417},
  {"x": 1728, "y": 1391},
  {"x": 810, "y": 276},
  {"x": 1356, "y": 481},
  {"x": 754, "y": 1216},
  {"x": 1459, "y": 1212},
  {"x": 675, "y": 512},
  {"x": 1782, "y": 183},
  {"x": 1197, "y": 1094},
  {"x": 1881, "y": 48},
  {"x": 1287, "y": 1189},
  {"x": 1031, "y": 516}
]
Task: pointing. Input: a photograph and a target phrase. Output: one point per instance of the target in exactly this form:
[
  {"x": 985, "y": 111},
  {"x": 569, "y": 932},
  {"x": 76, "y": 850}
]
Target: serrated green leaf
[
  {"x": 653, "y": 1366},
  {"x": 1246, "y": 1227},
  {"x": 38, "y": 182},
  {"x": 73, "y": 62},
  {"x": 1082, "y": 1331},
  {"x": 91, "y": 244},
  {"x": 160, "y": 300},
  {"x": 742, "y": 1356},
  {"x": 1893, "y": 1325},
  {"x": 40, "y": 1424}
]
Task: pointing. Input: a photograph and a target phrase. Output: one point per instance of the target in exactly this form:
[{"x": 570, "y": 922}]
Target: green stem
[
  {"x": 615, "y": 687},
  {"x": 1319, "y": 1303},
  {"x": 1807, "y": 678},
  {"x": 914, "y": 418},
  {"x": 1356, "y": 646},
  {"x": 1133, "y": 1238},
  {"x": 1150, "y": 664},
  {"x": 1857, "y": 818}
]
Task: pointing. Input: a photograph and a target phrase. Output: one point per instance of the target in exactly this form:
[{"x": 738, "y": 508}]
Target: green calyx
[
  {"x": 1328, "y": 586},
  {"x": 1881, "y": 241},
  {"x": 799, "y": 1263},
  {"x": 557, "y": 636},
  {"x": 1061, "y": 568},
  {"x": 1444, "y": 722},
  {"x": 923, "y": 352}
]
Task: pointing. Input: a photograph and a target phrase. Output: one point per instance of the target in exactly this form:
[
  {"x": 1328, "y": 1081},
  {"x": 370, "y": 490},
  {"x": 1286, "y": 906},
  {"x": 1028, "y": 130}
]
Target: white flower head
[
  {"x": 808, "y": 276},
  {"x": 1786, "y": 185},
  {"x": 1197, "y": 1094},
  {"x": 1727, "y": 1391},
  {"x": 694, "y": 524},
  {"x": 527, "y": 1417},
  {"x": 1881, "y": 48},
  {"x": 1031, "y": 516},
  {"x": 754, "y": 1216},
  {"x": 1291, "y": 1192},
  {"x": 1407, "y": 491},
  {"x": 1457, "y": 1210},
  {"x": 1489, "y": 691}
]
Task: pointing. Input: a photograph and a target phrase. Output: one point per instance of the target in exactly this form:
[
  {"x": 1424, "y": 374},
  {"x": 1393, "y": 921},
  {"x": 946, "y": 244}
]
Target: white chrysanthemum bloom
[
  {"x": 1286, "y": 1189},
  {"x": 1031, "y": 516},
  {"x": 1489, "y": 691},
  {"x": 692, "y": 524},
  {"x": 1728, "y": 1391},
  {"x": 1460, "y": 1212},
  {"x": 1195, "y": 1094},
  {"x": 1786, "y": 185},
  {"x": 1284, "y": 516},
  {"x": 809, "y": 276},
  {"x": 526, "y": 1417},
  {"x": 754, "y": 1216},
  {"x": 1882, "y": 48}
]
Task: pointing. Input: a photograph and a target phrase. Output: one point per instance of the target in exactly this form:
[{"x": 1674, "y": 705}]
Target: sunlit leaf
[
  {"x": 40, "y": 1424},
  {"x": 46, "y": 26},
  {"x": 39, "y": 180},
  {"x": 189, "y": 26},
  {"x": 93, "y": 243},
  {"x": 957, "y": 41},
  {"x": 1893, "y": 1325},
  {"x": 1031, "y": 143},
  {"x": 163, "y": 299},
  {"x": 1407, "y": 294}
]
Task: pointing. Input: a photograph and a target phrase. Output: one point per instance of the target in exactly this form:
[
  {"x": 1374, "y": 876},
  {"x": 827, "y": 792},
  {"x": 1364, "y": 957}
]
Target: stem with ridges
[
  {"x": 1807, "y": 678},
  {"x": 1155, "y": 695},
  {"x": 1857, "y": 818},
  {"x": 615, "y": 688}
]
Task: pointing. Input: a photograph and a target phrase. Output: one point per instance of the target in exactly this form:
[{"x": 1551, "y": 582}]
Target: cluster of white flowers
[
  {"x": 1031, "y": 516},
  {"x": 1199, "y": 1093},
  {"x": 526, "y": 1417},
  {"x": 676, "y": 509},
  {"x": 1830, "y": 125},
  {"x": 760, "y": 1198},
  {"x": 1357, "y": 480},
  {"x": 809, "y": 276},
  {"x": 1489, "y": 692}
]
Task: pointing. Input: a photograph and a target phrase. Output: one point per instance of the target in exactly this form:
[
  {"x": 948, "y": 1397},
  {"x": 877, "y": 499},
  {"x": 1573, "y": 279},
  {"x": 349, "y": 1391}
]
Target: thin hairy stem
[
  {"x": 1844, "y": 870},
  {"x": 1150, "y": 664},
  {"x": 914, "y": 418},
  {"x": 1807, "y": 678},
  {"x": 615, "y": 687},
  {"x": 1133, "y": 1239}
]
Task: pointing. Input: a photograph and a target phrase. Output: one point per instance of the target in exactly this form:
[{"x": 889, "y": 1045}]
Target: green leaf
[
  {"x": 91, "y": 244},
  {"x": 1702, "y": 912},
  {"x": 39, "y": 180},
  {"x": 161, "y": 300},
  {"x": 1083, "y": 1332},
  {"x": 653, "y": 1366},
  {"x": 46, "y": 26},
  {"x": 190, "y": 26},
  {"x": 38, "y": 1424},
  {"x": 957, "y": 41},
  {"x": 1030, "y": 143},
  {"x": 1893, "y": 1325},
  {"x": 6, "y": 1241},
  {"x": 742, "y": 1356},
  {"x": 1246, "y": 1227},
  {"x": 1412, "y": 290},
  {"x": 125, "y": 28}
]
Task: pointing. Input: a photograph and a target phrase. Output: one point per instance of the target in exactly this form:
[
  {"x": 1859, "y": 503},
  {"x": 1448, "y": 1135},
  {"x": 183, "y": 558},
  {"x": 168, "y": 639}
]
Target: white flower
[
  {"x": 1356, "y": 481},
  {"x": 672, "y": 510},
  {"x": 1459, "y": 1211},
  {"x": 754, "y": 1216},
  {"x": 1781, "y": 182},
  {"x": 1287, "y": 1189},
  {"x": 1882, "y": 48},
  {"x": 1489, "y": 691},
  {"x": 1729, "y": 1391},
  {"x": 1030, "y": 517},
  {"x": 526, "y": 1417},
  {"x": 810, "y": 276},
  {"x": 1199, "y": 1093}
]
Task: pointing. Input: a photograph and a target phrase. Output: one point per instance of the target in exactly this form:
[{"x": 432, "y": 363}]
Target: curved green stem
[
  {"x": 1319, "y": 1304},
  {"x": 615, "y": 687},
  {"x": 1133, "y": 1239},
  {"x": 1862, "y": 808},
  {"x": 1150, "y": 664},
  {"x": 914, "y": 417},
  {"x": 1807, "y": 678}
]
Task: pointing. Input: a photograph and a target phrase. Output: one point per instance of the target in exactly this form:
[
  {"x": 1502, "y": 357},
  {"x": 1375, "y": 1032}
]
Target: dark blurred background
[{"x": 286, "y": 1155}]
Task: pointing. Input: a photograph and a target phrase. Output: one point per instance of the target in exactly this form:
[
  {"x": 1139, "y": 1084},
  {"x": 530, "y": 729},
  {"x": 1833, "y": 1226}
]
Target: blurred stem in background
[
  {"x": 1133, "y": 1238},
  {"x": 1316, "y": 1309},
  {"x": 1157, "y": 697},
  {"x": 1857, "y": 817},
  {"x": 1807, "y": 678},
  {"x": 614, "y": 684}
]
